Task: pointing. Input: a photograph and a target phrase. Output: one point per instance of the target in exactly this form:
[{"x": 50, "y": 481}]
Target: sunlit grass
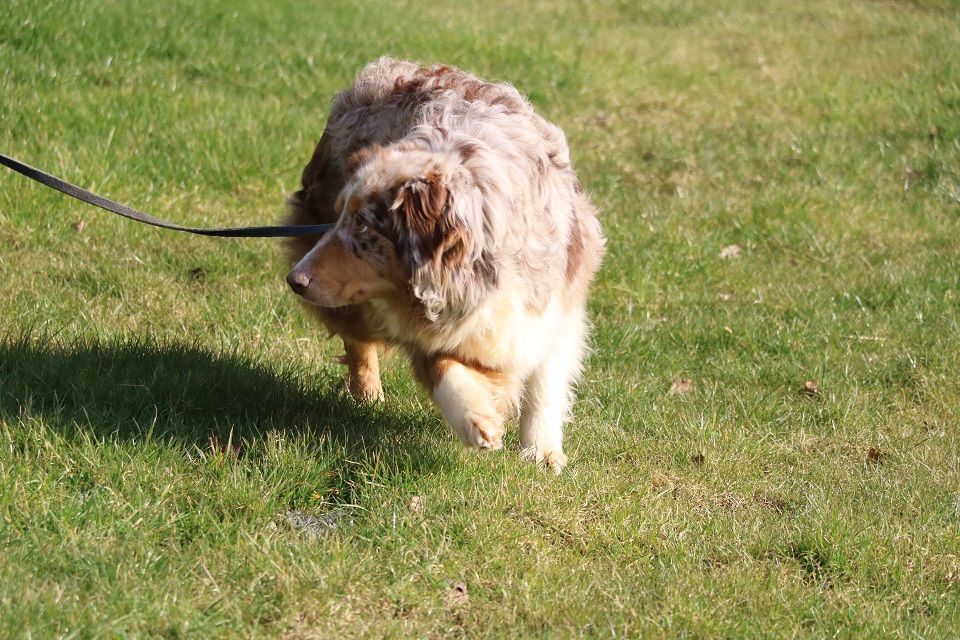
[{"x": 165, "y": 404}]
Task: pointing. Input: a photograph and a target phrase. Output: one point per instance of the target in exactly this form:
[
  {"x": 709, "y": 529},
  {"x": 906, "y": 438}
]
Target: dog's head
[{"x": 411, "y": 226}]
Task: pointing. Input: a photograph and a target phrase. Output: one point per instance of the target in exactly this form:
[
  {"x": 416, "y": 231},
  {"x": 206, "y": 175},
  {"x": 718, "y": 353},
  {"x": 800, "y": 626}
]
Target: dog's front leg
[
  {"x": 548, "y": 396},
  {"x": 471, "y": 400},
  {"x": 364, "y": 367}
]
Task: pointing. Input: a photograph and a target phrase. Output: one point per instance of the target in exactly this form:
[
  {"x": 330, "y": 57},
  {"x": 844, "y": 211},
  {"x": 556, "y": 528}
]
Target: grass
[{"x": 165, "y": 404}]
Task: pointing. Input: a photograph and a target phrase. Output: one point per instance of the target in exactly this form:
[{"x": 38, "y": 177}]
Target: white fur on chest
[{"x": 502, "y": 334}]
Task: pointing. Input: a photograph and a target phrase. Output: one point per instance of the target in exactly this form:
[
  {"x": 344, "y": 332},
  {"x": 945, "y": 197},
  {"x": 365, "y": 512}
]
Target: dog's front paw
[
  {"x": 364, "y": 378},
  {"x": 483, "y": 431},
  {"x": 366, "y": 391},
  {"x": 553, "y": 459}
]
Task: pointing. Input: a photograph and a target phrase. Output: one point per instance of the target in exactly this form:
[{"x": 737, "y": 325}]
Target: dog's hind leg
[
  {"x": 473, "y": 400},
  {"x": 364, "y": 366},
  {"x": 548, "y": 396}
]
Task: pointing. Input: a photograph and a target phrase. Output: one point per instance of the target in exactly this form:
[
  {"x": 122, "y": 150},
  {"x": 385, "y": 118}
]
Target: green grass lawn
[{"x": 168, "y": 412}]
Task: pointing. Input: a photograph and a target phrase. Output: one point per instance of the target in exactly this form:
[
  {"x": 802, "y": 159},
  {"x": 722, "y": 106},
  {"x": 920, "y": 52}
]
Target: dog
[{"x": 462, "y": 238}]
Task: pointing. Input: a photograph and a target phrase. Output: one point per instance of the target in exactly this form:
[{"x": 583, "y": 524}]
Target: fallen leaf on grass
[
  {"x": 681, "y": 386},
  {"x": 731, "y": 251},
  {"x": 952, "y": 576},
  {"x": 79, "y": 226},
  {"x": 874, "y": 455},
  {"x": 457, "y": 595},
  {"x": 810, "y": 389},
  {"x": 415, "y": 504}
]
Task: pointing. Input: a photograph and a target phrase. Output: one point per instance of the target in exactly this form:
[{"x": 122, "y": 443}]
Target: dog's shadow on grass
[{"x": 190, "y": 396}]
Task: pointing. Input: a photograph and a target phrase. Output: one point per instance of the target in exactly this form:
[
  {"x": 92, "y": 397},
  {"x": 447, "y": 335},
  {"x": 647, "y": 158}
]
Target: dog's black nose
[{"x": 298, "y": 281}]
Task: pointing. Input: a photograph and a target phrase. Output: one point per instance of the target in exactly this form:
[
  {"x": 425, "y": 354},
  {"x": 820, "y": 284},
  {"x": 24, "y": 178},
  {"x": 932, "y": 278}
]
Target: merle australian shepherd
[{"x": 462, "y": 237}]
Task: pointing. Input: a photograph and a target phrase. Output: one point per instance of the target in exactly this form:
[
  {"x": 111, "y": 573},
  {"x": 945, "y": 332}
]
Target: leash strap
[{"x": 44, "y": 178}]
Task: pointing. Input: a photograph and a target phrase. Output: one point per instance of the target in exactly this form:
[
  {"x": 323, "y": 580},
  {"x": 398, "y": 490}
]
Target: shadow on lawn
[{"x": 186, "y": 394}]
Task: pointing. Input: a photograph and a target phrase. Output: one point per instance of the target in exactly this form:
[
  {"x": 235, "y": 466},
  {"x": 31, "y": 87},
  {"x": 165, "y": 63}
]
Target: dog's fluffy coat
[{"x": 463, "y": 237}]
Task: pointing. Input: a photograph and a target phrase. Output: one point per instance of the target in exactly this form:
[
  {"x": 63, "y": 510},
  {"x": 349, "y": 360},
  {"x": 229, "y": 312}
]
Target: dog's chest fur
[{"x": 503, "y": 334}]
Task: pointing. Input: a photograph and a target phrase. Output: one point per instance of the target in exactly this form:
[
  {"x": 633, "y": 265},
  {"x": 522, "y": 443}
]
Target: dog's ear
[
  {"x": 440, "y": 242},
  {"x": 422, "y": 207}
]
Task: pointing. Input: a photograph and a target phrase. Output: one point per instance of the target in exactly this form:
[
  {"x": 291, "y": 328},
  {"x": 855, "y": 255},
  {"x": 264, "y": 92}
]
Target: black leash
[{"x": 44, "y": 178}]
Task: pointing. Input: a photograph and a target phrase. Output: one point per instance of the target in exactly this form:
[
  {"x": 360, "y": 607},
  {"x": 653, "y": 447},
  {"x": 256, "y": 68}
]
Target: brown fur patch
[
  {"x": 422, "y": 231},
  {"x": 430, "y": 369},
  {"x": 495, "y": 377},
  {"x": 361, "y": 157},
  {"x": 354, "y": 204},
  {"x": 467, "y": 150},
  {"x": 441, "y": 78},
  {"x": 321, "y": 182},
  {"x": 421, "y": 203}
]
